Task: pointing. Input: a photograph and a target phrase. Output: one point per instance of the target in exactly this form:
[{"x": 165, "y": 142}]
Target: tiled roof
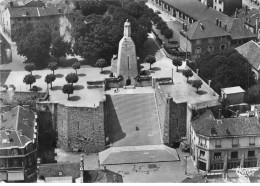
[
  {"x": 66, "y": 169},
  {"x": 199, "y": 11},
  {"x": 238, "y": 31},
  {"x": 204, "y": 29},
  {"x": 34, "y": 3},
  {"x": 250, "y": 16},
  {"x": 20, "y": 123},
  {"x": 251, "y": 51},
  {"x": 33, "y": 11},
  {"x": 101, "y": 176},
  {"x": 241, "y": 126}
]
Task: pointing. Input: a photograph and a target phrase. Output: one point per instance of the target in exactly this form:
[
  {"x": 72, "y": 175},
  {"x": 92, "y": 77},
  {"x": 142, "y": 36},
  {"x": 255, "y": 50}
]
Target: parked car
[{"x": 157, "y": 12}]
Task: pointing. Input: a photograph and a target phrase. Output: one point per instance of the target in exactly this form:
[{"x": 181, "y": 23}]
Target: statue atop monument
[{"x": 126, "y": 64}]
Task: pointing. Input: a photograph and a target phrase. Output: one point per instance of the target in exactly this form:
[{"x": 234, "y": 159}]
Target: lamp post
[
  {"x": 38, "y": 167},
  {"x": 186, "y": 162}
]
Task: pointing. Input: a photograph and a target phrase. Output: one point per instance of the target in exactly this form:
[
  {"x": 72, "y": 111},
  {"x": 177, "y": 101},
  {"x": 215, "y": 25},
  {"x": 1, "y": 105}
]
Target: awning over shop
[
  {"x": 16, "y": 175},
  {"x": 66, "y": 179},
  {"x": 3, "y": 176}
]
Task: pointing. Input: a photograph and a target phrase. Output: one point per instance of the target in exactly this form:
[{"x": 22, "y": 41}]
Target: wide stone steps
[
  {"x": 128, "y": 111},
  {"x": 138, "y": 154}
]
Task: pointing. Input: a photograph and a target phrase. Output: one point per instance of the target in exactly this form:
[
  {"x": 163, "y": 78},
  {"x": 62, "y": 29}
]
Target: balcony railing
[
  {"x": 203, "y": 145},
  {"x": 217, "y": 158}
]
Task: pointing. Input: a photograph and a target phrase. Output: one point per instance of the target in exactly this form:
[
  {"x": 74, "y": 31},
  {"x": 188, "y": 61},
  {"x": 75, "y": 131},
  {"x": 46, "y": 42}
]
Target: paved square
[{"x": 82, "y": 96}]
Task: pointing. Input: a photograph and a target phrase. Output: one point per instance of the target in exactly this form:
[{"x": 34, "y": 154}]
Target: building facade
[
  {"x": 204, "y": 36},
  {"x": 18, "y": 150},
  {"x": 228, "y": 7},
  {"x": 190, "y": 11},
  {"x": 221, "y": 144},
  {"x": 15, "y": 16}
]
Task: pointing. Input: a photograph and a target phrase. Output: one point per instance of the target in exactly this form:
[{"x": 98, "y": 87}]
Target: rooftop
[
  {"x": 24, "y": 11},
  {"x": 200, "y": 11},
  {"x": 251, "y": 51},
  {"x": 232, "y": 90},
  {"x": 227, "y": 127},
  {"x": 205, "y": 29},
  {"x": 60, "y": 170},
  {"x": 101, "y": 176},
  {"x": 17, "y": 127}
]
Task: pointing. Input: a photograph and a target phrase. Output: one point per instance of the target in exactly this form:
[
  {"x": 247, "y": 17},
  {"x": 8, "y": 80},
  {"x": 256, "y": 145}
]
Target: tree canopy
[
  {"x": 76, "y": 66},
  {"x": 49, "y": 79},
  {"x": 177, "y": 62},
  {"x": 97, "y": 36},
  {"x": 59, "y": 47},
  {"x": 33, "y": 42},
  {"x": 72, "y": 78},
  {"x": 168, "y": 33},
  {"x": 197, "y": 84},
  {"x": 68, "y": 89},
  {"x": 29, "y": 80},
  {"x": 53, "y": 66},
  {"x": 29, "y": 67},
  {"x": 187, "y": 73},
  {"x": 150, "y": 59},
  {"x": 101, "y": 63},
  {"x": 226, "y": 69}
]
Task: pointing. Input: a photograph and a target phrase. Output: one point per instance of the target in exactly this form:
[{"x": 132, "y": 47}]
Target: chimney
[
  {"x": 219, "y": 113},
  {"x": 217, "y": 21},
  {"x": 236, "y": 13},
  {"x": 220, "y": 22},
  {"x": 24, "y": 13},
  {"x": 208, "y": 5},
  {"x": 11, "y": 4},
  {"x": 202, "y": 26},
  {"x": 197, "y": 71},
  {"x": 81, "y": 168},
  {"x": 246, "y": 9},
  {"x": 59, "y": 11},
  {"x": 213, "y": 131},
  {"x": 225, "y": 27},
  {"x": 2, "y": 118}
]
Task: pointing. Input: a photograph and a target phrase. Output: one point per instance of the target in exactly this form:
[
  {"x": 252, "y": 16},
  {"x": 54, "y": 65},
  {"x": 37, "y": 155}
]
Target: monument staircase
[{"x": 134, "y": 131}]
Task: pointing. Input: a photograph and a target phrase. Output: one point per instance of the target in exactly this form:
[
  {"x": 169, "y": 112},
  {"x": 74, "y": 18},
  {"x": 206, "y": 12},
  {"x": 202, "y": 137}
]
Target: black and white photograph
[{"x": 130, "y": 91}]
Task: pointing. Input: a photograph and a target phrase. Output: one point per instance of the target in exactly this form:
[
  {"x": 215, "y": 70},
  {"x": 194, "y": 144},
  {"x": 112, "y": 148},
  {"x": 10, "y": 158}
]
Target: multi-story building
[
  {"x": 190, "y": 11},
  {"x": 14, "y": 16},
  {"x": 228, "y": 7},
  {"x": 221, "y": 144},
  {"x": 18, "y": 145},
  {"x": 251, "y": 51},
  {"x": 203, "y": 36}
]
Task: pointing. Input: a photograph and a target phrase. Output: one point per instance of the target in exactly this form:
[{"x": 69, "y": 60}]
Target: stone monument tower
[{"x": 127, "y": 61}]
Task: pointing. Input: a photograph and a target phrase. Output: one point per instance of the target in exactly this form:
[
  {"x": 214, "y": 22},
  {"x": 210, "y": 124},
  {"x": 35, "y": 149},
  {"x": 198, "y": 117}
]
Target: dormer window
[{"x": 25, "y": 12}]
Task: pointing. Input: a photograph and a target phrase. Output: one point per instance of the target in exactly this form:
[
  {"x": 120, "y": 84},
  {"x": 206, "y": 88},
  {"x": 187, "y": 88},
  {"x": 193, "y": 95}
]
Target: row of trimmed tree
[{"x": 187, "y": 73}]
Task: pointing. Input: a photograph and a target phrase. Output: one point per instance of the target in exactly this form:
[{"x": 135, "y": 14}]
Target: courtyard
[{"x": 82, "y": 96}]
